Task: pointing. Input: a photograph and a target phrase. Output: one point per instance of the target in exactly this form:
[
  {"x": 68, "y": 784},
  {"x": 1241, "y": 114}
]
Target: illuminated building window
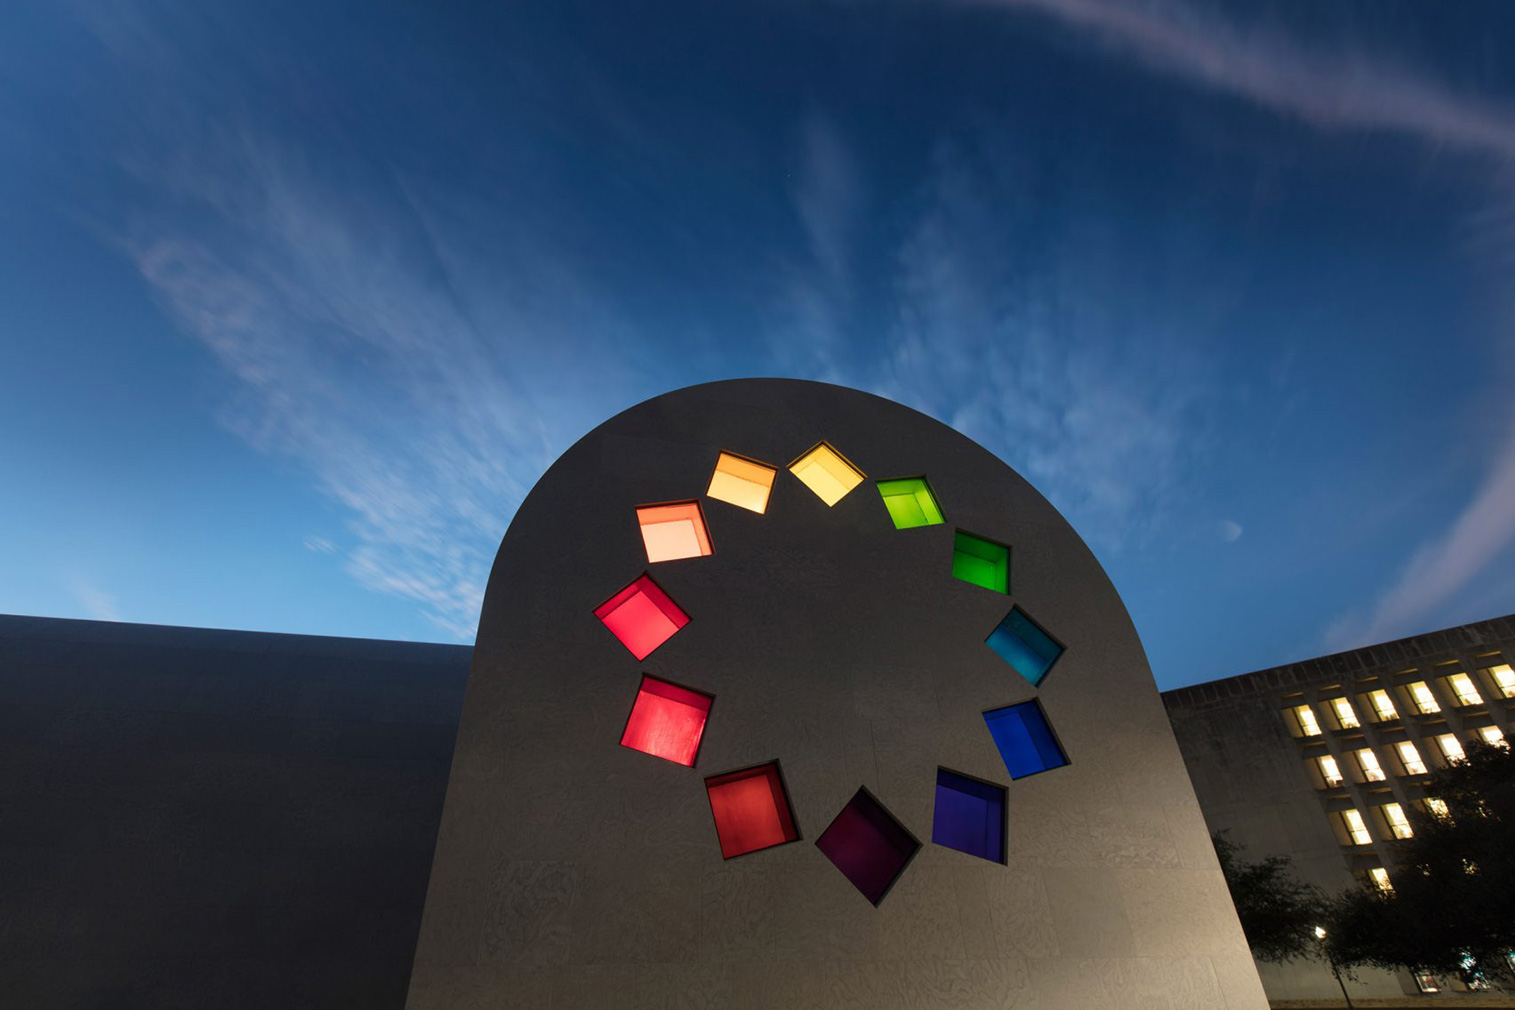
[
  {"x": 1425, "y": 701},
  {"x": 1368, "y": 762},
  {"x": 1304, "y": 720},
  {"x": 1437, "y": 808},
  {"x": 1426, "y": 982},
  {"x": 969, "y": 816},
  {"x": 1357, "y": 831},
  {"x": 1462, "y": 687},
  {"x": 751, "y": 810},
  {"x": 1394, "y": 816},
  {"x": 1328, "y": 770},
  {"x": 1345, "y": 717},
  {"x": 1503, "y": 678},
  {"x": 868, "y": 845},
  {"x": 1491, "y": 735},
  {"x": 910, "y": 502},
  {"x": 1024, "y": 739},
  {"x": 741, "y": 482},
  {"x": 1410, "y": 758},
  {"x": 981, "y": 562},
  {"x": 1383, "y": 706},
  {"x": 1022, "y": 643},
  {"x": 1380, "y": 878},
  {"x": 824, "y": 471},
  {"x": 667, "y": 721},
  {"x": 671, "y": 532},
  {"x": 1450, "y": 747},
  {"x": 642, "y": 616}
]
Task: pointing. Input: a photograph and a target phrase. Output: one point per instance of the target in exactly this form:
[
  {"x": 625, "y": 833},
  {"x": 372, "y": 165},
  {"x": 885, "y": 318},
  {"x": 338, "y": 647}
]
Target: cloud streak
[{"x": 1327, "y": 89}]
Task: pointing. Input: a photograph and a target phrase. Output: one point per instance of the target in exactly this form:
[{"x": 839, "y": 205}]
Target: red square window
[
  {"x": 667, "y": 721},
  {"x": 751, "y": 810},
  {"x": 641, "y": 616}
]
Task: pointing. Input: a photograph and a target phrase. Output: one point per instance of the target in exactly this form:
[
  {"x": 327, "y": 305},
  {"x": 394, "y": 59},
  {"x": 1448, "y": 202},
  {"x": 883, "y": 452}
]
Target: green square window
[
  {"x": 981, "y": 562},
  {"x": 910, "y": 502}
]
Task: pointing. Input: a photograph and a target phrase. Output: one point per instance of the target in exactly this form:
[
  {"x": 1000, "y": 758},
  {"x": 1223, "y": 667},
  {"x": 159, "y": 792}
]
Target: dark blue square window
[
  {"x": 969, "y": 816},
  {"x": 1025, "y": 739}
]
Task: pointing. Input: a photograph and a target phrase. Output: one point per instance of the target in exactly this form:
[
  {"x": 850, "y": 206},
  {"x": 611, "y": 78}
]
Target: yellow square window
[{"x": 826, "y": 472}]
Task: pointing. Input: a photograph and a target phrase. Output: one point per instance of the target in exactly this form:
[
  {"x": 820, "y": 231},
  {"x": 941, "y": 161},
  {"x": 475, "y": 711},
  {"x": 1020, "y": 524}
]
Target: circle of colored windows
[{"x": 750, "y": 806}]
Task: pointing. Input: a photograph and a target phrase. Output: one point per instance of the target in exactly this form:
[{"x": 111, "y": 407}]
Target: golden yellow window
[
  {"x": 1410, "y": 758},
  {"x": 1328, "y": 770},
  {"x": 1491, "y": 735},
  {"x": 1382, "y": 705},
  {"x": 1425, "y": 701},
  {"x": 1463, "y": 688},
  {"x": 1356, "y": 829},
  {"x": 1380, "y": 878},
  {"x": 1394, "y": 816},
  {"x": 1503, "y": 678},
  {"x": 1304, "y": 719},
  {"x": 1450, "y": 747},
  {"x": 1345, "y": 717},
  {"x": 1368, "y": 762},
  {"x": 826, "y": 472}
]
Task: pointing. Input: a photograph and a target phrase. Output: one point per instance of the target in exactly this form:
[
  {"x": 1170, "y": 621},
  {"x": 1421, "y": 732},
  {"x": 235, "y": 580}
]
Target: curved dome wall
[{"x": 849, "y": 769}]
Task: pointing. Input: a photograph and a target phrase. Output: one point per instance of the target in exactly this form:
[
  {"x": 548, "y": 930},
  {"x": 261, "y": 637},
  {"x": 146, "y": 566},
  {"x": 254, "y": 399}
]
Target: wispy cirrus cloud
[
  {"x": 354, "y": 354},
  {"x": 1329, "y": 88}
]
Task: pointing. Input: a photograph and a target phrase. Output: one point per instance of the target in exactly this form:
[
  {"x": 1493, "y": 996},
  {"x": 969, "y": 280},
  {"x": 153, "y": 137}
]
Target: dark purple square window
[
  {"x": 868, "y": 845},
  {"x": 969, "y": 816}
]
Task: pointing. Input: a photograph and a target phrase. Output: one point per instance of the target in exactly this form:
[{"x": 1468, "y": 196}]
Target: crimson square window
[
  {"x": 751, "y": 810},
  {"x": 642, "y": 616},
  {"x": 868, "y": 845},
  {"x": 667, "y": 721}
]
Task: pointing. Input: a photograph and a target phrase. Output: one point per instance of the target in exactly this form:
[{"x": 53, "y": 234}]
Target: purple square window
[
  {"x": 969, "y": 816},
  {"x": 868, "y": 845}
]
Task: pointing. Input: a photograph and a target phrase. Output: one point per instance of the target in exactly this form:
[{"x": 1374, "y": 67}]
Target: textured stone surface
[
  {"x": 843, "y": 648},
  {"x": 216, "y": 819}
]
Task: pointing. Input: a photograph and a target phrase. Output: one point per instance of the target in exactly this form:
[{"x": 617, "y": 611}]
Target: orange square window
[
  {"x": 667, "y": 721},
  {"x": 741, "y": 482},
  {"x": 642, "y": 616},
  {"x": 671, "y": 532}
]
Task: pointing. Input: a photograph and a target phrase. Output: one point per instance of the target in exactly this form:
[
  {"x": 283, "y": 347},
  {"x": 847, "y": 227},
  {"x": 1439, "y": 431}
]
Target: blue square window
[
  {"x": 1025, "y": 739},
  {"x": 1022, "y": 643}
]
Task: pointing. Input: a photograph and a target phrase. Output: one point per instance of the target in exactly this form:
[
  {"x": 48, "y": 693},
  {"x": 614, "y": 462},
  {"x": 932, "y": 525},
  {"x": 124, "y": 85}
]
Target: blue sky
[{"x": 298, "y": 300}]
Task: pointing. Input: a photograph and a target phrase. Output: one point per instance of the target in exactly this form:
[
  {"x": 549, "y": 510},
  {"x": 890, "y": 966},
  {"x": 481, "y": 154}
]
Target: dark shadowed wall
[{"x": 215, "y": 819}]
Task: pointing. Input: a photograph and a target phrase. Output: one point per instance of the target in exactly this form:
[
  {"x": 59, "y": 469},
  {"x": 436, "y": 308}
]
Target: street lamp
[{"x": 1320, "y": 936}]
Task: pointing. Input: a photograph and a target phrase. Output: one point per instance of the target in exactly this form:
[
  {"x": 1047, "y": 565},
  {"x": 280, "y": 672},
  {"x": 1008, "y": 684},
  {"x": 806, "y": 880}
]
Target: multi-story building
[{"x": 1323, "y": 760}]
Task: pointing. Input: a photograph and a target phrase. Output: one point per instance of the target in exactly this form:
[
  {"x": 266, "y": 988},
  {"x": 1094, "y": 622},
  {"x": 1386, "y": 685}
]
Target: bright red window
[
  {"x": 642, "y": 616},
  {"x": 667, "y": 721},
  {"x": 751, "y": 810}
]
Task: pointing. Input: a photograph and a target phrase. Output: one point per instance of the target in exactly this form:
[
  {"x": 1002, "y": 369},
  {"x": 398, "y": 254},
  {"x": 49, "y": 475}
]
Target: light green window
[{"x": 910, "y": 502}]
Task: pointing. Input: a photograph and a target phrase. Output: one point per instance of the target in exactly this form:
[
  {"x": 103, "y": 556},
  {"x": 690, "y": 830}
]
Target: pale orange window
[
  {"x": 741, "y": 482},
  {"x": 671, "y": 532}
]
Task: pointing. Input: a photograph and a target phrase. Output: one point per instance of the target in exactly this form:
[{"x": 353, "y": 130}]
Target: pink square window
[
  {"x": 667, "y": 721},
  {"x": 642, "y": 616}
]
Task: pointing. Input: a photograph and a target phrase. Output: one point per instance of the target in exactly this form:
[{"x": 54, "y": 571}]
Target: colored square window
[
  {"x": 642, "y": 616},
  {"x": 969, "y": 816},
  {"x": 868, "y": 845},
  {"x": 1022, "y": 643},
  {"x": 741, "y": 482},
  {"x": 667, "y": 721},
  {"x": 824, "y": 471},
  {"x": 751, "y": 810},
  {"x": 1024, "y": 739},
  {"x": 910, "y": 502},
  {"x": 671, "y": 532},
  {"x": 981, "y": 562}
]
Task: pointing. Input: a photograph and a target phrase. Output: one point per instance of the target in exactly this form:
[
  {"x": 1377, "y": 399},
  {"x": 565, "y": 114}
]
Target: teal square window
[
  {"x": 981, "y": 562},
  {"x": 1022, "y": 643},
  {"x": 910, "y": 502}
]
